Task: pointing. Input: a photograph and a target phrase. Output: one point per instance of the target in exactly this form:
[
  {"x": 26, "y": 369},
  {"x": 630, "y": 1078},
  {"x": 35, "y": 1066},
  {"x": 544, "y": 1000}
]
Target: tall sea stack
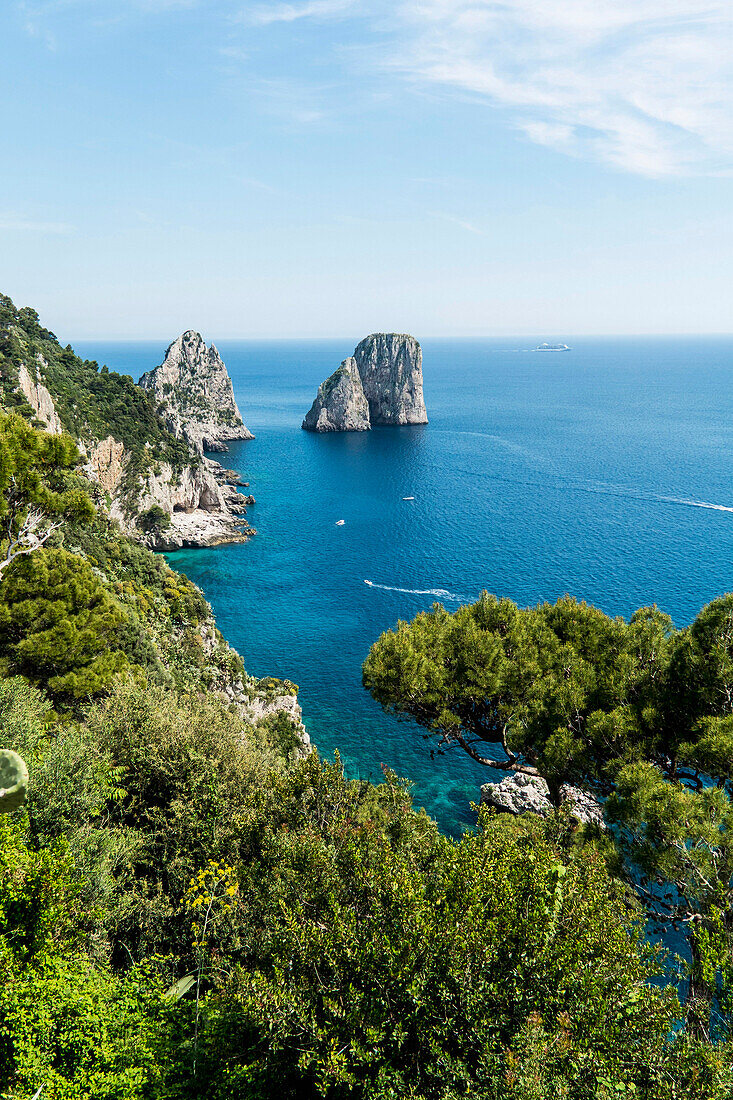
[
  {"x": 340, "y": 405},
  {"x": 380, "y": 385},
  {"x": 194, "y": 392}
]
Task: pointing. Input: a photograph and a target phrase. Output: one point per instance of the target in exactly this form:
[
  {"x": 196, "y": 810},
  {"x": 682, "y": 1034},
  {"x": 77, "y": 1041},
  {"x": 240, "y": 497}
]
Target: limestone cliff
[
  {"x": 340, "y": 405},
  {"x": 194, "y": 393},
  {"x": 158, "y": 485},
  {"x": 255, "y": 700},
  {"x": 381, "y": 384},
  {"x": 38, "y": 397},
  {"x": 201, "y": 505},
  {"x": 390, "y": 366}
]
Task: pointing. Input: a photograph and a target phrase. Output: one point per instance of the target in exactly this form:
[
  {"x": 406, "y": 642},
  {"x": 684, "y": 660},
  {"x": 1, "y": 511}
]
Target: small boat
[
  {"x": 408, "y": 498},
  {"x": 340, "y": 522},
  {"x": 552, "y": 347}
]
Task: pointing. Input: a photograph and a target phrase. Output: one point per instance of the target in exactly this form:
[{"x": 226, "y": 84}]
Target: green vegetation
[
  {"x": 189, "y": 908},
  {"x": 59, "y": 627},
  {"x": 91, "y": 403},
  {"x": 638, "y": 713},
  {"x": 35, "y": 496},
  {"x": 155, "y": 520},
  {"x": 341, "y": 946}
]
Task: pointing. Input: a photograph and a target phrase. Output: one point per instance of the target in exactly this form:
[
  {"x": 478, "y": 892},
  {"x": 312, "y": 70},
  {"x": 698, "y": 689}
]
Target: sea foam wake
[
  {"x": 696, "y": 504},
  {"x": 441, "y": 593},
  {"x": 656, "y": 498}
]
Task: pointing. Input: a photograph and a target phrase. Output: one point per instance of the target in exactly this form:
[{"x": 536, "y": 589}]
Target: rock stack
[
  {"x": 381, "y": 384},
  {"x": 194, "y": 393}
]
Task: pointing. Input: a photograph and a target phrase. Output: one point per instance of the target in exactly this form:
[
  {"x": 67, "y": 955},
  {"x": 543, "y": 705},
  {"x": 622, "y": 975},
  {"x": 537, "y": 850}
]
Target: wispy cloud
[
  {"x": 14, "y": 223},
  {"x": 294, "y": 102},
  {"x": 469, "y": 227},
  {"x": 38, "y": 15},
  {"x": 644, "y": 84},
  {"x": 264, "y": 14}
]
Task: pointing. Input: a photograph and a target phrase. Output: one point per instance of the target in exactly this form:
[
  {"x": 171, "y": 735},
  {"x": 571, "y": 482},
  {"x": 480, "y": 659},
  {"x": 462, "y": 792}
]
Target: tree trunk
[{"x": 700, "y": 991}]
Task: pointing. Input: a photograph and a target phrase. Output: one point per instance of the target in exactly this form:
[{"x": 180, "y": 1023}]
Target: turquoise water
[{"x": 605, "y": 472}]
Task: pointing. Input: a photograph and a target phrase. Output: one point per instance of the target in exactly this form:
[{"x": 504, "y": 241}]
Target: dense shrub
[{"x": 59, "y": 627}]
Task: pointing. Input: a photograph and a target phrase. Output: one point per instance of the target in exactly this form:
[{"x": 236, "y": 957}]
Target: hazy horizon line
[{"x": 481, "y": 336}]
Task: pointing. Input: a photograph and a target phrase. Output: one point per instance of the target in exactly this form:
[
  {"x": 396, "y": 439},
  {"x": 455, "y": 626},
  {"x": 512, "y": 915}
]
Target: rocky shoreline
[
  {"x": 201, "y": 527},
  {"x": 529, "y": 794},
  {"x": 257, "y": 700}
]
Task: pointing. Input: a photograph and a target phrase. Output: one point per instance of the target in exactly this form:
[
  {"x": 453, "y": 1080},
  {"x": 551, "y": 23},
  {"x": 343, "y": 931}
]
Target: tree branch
[
  {"x": 32, "y": 535},
  {"x": 512, "y": 764}
]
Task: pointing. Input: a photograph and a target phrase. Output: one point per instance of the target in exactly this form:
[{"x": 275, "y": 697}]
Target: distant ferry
[{"x": 552, "y": 347}]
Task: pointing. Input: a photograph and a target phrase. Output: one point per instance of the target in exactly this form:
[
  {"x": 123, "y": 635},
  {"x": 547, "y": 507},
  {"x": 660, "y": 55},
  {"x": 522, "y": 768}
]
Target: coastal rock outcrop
[
  {"x": 194, "y": 394},
  {"x": 201, "y": 506},
  {"x": 266, "y": 701},
  {"x": 529, "y": 794},
  {"x": 390, "y": 366},
  {"x": 38, "y": 397},
  {"x": 381, "y": 384},
  {"x": 202, "y": 509},
  {"x": 256, "y": 700},
  {"x": 340, "y": 405}
]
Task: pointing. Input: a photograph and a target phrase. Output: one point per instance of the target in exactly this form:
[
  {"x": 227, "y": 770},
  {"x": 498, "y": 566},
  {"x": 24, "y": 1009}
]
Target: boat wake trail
[
  {"x": 655, "y": 498},
  {"x": 441, "y": 593},
  {"x": 696, "y": 504}
]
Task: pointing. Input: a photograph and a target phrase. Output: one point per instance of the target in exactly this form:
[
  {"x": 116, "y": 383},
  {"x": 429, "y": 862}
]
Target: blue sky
[{"x": 334, "y": 167}]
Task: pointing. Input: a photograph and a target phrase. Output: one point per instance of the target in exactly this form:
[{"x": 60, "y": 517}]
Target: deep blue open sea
[{"x": 605, "y": 472}]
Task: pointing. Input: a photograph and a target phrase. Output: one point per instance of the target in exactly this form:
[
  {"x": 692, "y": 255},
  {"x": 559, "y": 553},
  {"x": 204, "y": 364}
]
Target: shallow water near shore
[{"x": 605, "y": 472}]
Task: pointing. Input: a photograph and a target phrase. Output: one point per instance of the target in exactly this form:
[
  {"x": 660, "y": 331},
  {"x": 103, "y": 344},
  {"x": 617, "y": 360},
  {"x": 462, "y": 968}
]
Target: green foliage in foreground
[
  {"x": 359, "y": 953},
  {"x": 321, "y": 939},
  {"x": 58, "y": 625},
  {"x": 33, "y": 492},
  {"x": 390, "y": 961},
  {"x": 73, "y": 620},
  {"x": 635, "y": 712}
]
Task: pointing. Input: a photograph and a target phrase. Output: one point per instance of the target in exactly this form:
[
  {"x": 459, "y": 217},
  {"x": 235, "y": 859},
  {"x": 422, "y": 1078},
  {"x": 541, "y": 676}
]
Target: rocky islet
[
  {"x": 380, "y": 385},
  {"x": 194, "y": 394}
]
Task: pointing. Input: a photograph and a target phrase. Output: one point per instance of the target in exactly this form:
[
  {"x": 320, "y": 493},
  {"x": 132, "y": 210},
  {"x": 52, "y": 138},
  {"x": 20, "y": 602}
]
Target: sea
[{"x": 605, "y": 472}]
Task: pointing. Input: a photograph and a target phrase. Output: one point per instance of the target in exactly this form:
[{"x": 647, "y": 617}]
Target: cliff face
[
  {"x": 202, "y": 506},
  {"x": 380, "y": 385},
  {"x": 340, "y": 405},
  {"x": 390, "y": 366},
  {"x": 204, "y": 509},
  {"x": 38, "y": 397},
  {"x": 194, "y": 393}
]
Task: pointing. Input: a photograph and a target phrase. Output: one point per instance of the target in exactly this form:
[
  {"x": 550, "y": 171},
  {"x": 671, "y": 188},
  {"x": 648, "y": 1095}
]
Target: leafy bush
[
  {"x": 59, "y": 627},
  {"x": 378, "y": 959},
  {"x": 66, "y": 1023},
  {"x": 189, "y": 769},
  {"x": 155, "y": 520},
  {"x": 637, "y": 713}
]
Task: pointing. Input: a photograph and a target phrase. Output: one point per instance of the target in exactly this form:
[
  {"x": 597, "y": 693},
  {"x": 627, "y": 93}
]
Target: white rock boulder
[{"x": 529, "y": 794}]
